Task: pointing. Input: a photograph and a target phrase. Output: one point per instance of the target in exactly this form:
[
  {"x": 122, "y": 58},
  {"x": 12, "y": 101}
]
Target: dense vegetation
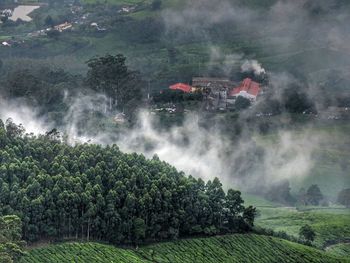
[
  {"x": 234, "y": 248},
  {"x": 11, "y": 245},
  {"x": 92, "y": 192}
]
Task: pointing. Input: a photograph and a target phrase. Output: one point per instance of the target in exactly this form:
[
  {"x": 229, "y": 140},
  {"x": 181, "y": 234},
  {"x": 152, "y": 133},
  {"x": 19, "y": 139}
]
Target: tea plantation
[{"x": 232, "y": 248}]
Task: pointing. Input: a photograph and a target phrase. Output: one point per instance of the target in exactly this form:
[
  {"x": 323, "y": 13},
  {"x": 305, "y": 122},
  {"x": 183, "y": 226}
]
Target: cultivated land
[
  {"x": 72, "y": 49},
  {"x": 233, "y": 248}
]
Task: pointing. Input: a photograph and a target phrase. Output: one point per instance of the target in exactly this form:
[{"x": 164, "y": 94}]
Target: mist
[{"x": 250, "y": 161}]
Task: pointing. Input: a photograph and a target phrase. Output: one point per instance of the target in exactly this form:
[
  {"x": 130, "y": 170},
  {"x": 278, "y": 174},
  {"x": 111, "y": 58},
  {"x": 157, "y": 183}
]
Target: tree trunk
[{"x": 88, "y": 230}]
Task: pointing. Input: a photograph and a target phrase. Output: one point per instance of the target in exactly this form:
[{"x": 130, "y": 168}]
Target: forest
[{"x": 99, "y": 193}]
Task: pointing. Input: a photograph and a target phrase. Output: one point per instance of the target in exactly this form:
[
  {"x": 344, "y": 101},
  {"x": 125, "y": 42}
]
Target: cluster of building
[{"x": 221, "y": 93}]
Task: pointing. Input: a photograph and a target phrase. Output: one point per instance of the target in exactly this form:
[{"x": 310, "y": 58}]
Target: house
[
  {"x": 95, "y": 25},
  {"x": 181, "y": 86},
  {"x": 214, "y": 91},
  {"x": 6, "y": 44},
  {"x": 63, "y": 26},
  {"x": 127, "y": 9},
  {"x": 248, "y": 89},
  {"x": 120, "y": 118}
]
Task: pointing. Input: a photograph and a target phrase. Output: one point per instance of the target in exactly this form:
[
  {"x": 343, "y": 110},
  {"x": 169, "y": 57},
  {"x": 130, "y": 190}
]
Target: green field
[
  {"x": 340, "y": 249},
  {"x": 233, "y": 248},
  {"x": 329, "y": 224}
]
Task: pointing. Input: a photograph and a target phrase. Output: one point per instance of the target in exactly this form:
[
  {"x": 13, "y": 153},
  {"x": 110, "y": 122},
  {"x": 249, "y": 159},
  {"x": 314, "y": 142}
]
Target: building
[
  {"x": 248, "y": 89},
  {"x": 181, "y": 86},
  {"x": 219, "y": 93},
  {"x": 6, "y": 44},
  {"x": 216, "y": 83},
  {"x": 63, "y": 26}
]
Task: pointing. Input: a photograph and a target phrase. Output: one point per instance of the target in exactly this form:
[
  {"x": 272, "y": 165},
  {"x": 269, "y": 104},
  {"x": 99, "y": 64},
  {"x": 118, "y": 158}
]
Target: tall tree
[
  {"x": 344, "y": 197},
  {"x": 307, "y": 233},
  {"x": 110, "y": 76},
  {"x": 314, "y": 195}
]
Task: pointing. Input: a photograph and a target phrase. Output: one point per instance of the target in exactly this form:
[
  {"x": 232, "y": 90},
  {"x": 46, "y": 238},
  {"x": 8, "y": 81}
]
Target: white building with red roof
[{"x": 248, "y": 89}]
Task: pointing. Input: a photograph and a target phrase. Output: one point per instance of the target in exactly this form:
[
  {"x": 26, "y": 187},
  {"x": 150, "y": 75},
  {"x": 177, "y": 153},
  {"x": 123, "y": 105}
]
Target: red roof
[
  {"x": 247, "y": 85},
  {"x": 181, "y": 86}
]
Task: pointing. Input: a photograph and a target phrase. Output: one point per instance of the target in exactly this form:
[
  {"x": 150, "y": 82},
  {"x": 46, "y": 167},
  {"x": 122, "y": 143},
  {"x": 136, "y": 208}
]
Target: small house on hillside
[{"x": 63, "y": 26}]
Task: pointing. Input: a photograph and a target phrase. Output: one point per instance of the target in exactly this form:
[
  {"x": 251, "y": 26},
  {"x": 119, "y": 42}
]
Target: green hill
[{"x": 233, "y": 248}]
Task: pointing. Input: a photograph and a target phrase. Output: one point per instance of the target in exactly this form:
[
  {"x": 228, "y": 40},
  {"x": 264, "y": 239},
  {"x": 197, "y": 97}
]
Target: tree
[
  {"x": 53, "y": 34},
  {"x": 11, "y": 246},
  {"x": 344, "y": 197},
  {"x": 4, "y": 18},
  {"x": 249, "y": 215},
  {"x": 49, "y": 21},
  {"x": 297, "y": 102},
  {"x": 280, "y": 192},
  {"x": 307, "y": 233},
  {"x": 14, "y": 130},
  {"x": 242, "y": 103},
  {"x": 139, "y": 230},
  {"x": 314, "y": 195},
  {"x": 98, "y": 193},
  {"x": 110, "y": 76},
  {"x": 156, "y": 4}
]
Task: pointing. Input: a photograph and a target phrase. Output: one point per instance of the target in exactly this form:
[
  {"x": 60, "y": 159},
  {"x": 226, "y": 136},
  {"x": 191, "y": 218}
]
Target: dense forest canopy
[
  {"x": 11, "y": 246},
  {"x": 94, "y": 192}
]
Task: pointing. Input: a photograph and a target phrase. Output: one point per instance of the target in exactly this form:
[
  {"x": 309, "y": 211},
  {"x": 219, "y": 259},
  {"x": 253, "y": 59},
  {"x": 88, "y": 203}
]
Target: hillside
[
  {"x": 165, "y": 51},
  {"x": 234, "y": 248}
]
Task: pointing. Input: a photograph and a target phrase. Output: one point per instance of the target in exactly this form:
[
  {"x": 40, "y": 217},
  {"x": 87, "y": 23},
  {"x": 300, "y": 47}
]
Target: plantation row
[
  {"x": 81, "y": 252},
  {"x": 232, "y": 248}
]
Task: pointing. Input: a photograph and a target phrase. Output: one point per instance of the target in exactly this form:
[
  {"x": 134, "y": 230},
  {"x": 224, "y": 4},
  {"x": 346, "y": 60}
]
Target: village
[
  {"x": 216, "y": 94},
  {"x": 221, "y": 93},
  {"x": 78, "y": 18}
]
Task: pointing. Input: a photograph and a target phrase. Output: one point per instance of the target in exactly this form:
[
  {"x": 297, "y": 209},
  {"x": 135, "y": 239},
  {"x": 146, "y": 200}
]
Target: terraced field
[{"x": 234, "y": 248}]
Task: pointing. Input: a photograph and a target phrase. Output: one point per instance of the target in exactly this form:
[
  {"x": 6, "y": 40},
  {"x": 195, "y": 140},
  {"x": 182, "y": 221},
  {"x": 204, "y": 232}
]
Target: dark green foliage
[
  {"x": 242, "y": 103},
  {"x": 297, "y": 102},
  {"x": 156, "y": 4},
  {"x": 95, "y": 192},
  {"x": 314, "y": 195},
  {"x": 307, "y": 233},
  {"x": 11, "y": 246},
  {"x": 344, "y": 197},
  {"x": 110, "y": 76},
  {"x": 49, "y": 21},
  {"x": 176, "y": 96},
  {"x": 39, "y": 85},
  {"x": 280, "y": 192}
]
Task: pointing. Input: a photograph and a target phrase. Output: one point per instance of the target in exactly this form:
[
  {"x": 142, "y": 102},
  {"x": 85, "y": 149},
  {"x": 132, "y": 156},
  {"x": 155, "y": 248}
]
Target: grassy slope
[
  {"x": 192, "y": 57},
  {"x": 340, "y": 250},
  {"x": 329, "y": 224},
  {"x": 234, "y": 248}
]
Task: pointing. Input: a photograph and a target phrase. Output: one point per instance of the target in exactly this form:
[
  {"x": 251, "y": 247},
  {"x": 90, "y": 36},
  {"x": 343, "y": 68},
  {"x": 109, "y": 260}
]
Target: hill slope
[{"x": 233, "y": 248}]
